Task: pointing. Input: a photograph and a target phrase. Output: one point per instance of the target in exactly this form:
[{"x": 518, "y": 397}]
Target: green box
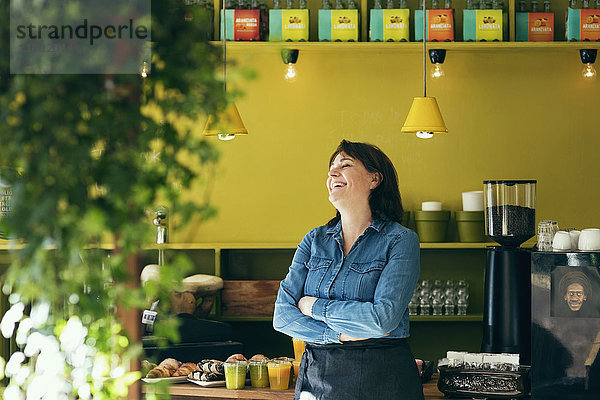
[
  {"x": 389, "y": 25},
  {"x": 338, "y": 25},
  {"x": 482, "y": 25},
  {"x": 289, "y": 25}
]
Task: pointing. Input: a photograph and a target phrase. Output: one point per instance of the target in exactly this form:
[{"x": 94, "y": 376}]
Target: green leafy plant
[{"x": 86, "y": 157}]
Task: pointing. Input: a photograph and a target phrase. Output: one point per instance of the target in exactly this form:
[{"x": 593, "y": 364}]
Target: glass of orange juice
[
  {"x": 298, "y": 348},
  {"x": 279, "y": 374},
  {"x": 296, "y": 365}
]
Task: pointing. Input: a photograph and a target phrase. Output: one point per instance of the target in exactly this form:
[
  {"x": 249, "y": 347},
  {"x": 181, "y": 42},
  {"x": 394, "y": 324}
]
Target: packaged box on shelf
[
  {"x": 389, "y": 25},
  {"x": 241, "y": 25},
  {"x": 338, "y": 25},
  {"x": 289, "y": 25},
  {"x": 482, "y": 25},
  {"x": 534, "y": 27},
  {"x": 583, "y": 25},
  {"x": 440, "y": 25}
]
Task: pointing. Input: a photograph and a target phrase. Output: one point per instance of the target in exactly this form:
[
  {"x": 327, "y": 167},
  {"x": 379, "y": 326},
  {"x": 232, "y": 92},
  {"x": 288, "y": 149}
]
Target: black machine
[
  {"x": 510, "y": 221},
  {"x": 200, "y": 339}
]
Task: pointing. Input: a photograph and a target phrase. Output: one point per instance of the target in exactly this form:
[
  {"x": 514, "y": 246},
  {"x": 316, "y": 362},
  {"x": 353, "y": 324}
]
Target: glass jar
[{"x": 510, "y": 211}]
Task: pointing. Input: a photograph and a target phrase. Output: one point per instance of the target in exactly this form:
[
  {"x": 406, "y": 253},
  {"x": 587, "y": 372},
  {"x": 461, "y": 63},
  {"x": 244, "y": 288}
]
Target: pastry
[
  {"x": 186, "y": 369},
  {"x": 258, "y": 357},
  {"x": 214, "y": 366},
  {"x": 236, "y": 357},
  {"x": 171, "y": 364},
  {"x": 159, "y": 372}
]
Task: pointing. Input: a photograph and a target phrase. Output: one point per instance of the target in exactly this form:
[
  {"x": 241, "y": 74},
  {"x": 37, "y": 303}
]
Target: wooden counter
[{"x": 186, "y": 391}]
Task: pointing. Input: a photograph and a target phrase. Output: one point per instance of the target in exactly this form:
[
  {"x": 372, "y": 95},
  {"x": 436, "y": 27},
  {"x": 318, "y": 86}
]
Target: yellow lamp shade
[
  {"x": 424, "y": 116},
  {"x": 225, "y": 124}
]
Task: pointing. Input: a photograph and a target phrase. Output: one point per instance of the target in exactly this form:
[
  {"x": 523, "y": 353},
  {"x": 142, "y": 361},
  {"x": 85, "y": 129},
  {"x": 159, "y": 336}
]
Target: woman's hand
[
  {"x": 305, "y": 305},
  {"x": 346, "y": 338}
]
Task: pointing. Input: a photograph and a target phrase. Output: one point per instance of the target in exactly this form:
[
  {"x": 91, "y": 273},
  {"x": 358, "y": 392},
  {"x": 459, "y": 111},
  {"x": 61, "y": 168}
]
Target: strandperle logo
[
  {"x": 82, "y": 31},
  {"x": 79, "y": 36}
]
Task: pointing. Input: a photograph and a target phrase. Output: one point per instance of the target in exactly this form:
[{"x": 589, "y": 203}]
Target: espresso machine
[{"x": 510, "y": 221}]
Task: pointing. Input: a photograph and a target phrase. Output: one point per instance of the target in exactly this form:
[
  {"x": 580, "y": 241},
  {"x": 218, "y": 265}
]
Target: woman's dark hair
[{"x": 384, "y": 200}]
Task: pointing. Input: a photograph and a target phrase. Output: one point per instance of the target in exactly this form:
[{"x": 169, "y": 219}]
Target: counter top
[{"x": 192, "y": 391}]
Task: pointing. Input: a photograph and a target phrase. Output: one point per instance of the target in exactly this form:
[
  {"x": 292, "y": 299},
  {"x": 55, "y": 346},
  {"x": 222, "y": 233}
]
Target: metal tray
[{"x": 477, "y": 383}]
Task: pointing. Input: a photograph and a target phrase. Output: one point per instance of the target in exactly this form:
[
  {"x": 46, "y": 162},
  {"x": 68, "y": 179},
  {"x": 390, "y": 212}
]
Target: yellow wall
[{"x": 511, "y": 114}]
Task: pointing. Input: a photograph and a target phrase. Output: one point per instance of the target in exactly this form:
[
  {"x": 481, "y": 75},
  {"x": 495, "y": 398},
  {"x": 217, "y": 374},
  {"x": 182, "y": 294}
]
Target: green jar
[
  {"x": 259, "y": 374},
  {"x": 432, "y": 225},
  {"x": 471, "y": 226},
  {"x": 235, "y": 374}
]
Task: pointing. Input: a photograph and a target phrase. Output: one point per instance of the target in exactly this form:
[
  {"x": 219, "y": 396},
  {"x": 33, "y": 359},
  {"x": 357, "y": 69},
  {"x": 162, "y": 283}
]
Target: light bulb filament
[
  {"x": 589, "y": 72},
  {"x": 437, "y": 71},
  {"x": 290, "y": 73}
]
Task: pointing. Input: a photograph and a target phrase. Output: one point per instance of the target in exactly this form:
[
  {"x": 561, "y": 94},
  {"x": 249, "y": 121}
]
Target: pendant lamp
[
  {"x": 226, "y": 124},
  {"x": 424, "y": 117}
]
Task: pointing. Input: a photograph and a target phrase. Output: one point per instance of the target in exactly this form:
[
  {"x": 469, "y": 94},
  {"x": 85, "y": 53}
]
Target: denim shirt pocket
[
  {"x": 361, "y": 280},
  {"x": 317, "y": 268}
]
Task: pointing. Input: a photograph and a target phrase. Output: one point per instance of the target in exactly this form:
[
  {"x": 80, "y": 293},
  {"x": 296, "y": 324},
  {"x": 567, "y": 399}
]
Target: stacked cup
[
  {"x": 432, "y": 222},
  {"x": 470, "y": 221}
]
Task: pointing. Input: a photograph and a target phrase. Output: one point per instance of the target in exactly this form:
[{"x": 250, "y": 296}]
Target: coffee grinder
[{"x": 510, "y": 221}]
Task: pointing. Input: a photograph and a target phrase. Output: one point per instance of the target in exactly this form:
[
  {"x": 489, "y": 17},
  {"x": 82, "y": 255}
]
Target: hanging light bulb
[
  {"x": 424, "y": 135},
  {"x": 437, "y": 71},
  {"x": 145, "y": 71},
  {"x": 437, "y": 57},
  {"x": 424, "y": 117},
  {"x": 289, "y": 57},
  {"x": 290, "y": 73},
  {"x": 588, "y": 57},
  {"x": 227, "y": 123},
  {"x": 589, "y": 72}
]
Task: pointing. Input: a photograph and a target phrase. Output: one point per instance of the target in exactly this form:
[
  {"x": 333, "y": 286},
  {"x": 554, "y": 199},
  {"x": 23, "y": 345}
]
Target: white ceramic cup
[
  {"x": 574, "y": 233},
  {"x": 561, "y": 241},
  {"x": 473, "y": 201},
  {"x": 589, "y": 239},
  {"x": 431, "y": 206}
]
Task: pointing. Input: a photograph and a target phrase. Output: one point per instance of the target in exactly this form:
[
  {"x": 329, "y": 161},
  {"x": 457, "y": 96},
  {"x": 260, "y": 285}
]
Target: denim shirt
[{"x": 364, "y": 294}]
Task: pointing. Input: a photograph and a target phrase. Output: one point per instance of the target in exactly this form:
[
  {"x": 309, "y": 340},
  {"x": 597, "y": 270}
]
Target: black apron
[{"x": 378, "y": 369}]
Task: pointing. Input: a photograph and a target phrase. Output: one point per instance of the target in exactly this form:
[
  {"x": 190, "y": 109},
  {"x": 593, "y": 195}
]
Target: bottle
[
  {"x": 585, "y": 4},
  {"x": 352, "y": 5},
  {"x": 447, "y": 4},
  {"x": 289, "y": 4},
  {"x": 404, "y": 4},
  {"x": 339, "y": 5},
  {"x": 482, "y": 5},
  {"x": 302, "y": 4},
  {"x": 469, "y": 4},
  {"x": 389, "y": 4},
  {"x": 241, "y": 5},
  {"x": 597, "y": 4},
  {"x": 276, "y": 4},
  {"x": 534, "y": 6},
  {"x": 522, "y": 6},
  {"x": 547, "y": 5},
  {"x": 495, "y": 5},
  {"x": 377, "y": 5},
  {"x": 435, "y": 4},
  {"x": 573, "y": 4},
  {"x": 421, "y": 4}
]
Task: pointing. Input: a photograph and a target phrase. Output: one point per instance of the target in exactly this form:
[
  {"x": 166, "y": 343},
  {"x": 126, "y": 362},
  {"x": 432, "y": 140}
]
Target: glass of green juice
[
  {"x": 235, "y": 374},
  {"x": 259, "y": 374}
]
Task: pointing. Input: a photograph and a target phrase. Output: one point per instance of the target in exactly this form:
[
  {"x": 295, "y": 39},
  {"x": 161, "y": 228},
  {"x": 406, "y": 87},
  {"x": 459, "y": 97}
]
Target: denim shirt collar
[{"x": 377, "y": 224}]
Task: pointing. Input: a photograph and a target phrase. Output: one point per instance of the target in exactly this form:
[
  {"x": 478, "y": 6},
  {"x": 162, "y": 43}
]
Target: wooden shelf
[
  {"x": 6, "y": 245},
  {"x": 345, "y": 47},
  {"x": 447, "y": 318}
]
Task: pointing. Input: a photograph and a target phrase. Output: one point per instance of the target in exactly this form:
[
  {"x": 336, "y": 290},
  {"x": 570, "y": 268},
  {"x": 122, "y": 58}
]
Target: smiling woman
[{"x": 347, "y": 290}]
